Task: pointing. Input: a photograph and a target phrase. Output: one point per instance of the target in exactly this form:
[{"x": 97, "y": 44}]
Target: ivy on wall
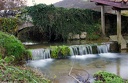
[
  {"x": 59, "y": 22},
  {"x": 9, "y": 25}
]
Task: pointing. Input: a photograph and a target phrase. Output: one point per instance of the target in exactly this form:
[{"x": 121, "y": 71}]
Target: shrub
[
  {"x": 106, "y": 77},
  {"x": 13, "y": 47}
]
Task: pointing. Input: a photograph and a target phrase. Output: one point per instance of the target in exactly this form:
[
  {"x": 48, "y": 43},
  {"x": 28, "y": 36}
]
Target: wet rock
[
  {"x": 114, "y": 46},
  {"x": 94, "y": 49},
  {"x": 77, "y": 36},
  {"x": 83, "y": 35}
]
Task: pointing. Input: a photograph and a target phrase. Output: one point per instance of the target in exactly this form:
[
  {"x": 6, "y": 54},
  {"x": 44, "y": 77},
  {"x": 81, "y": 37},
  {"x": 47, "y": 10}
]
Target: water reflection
[{"x": 57, "y": 70}]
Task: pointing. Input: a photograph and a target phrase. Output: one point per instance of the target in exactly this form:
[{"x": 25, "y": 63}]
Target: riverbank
[{"x": 19, "y": 74}]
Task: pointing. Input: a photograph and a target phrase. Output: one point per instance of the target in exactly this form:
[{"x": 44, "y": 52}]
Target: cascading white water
[
  {"x": 87, "y": 49},
  {"x": 80, "y": 49},
  {"x": 41, "y": 54},
  {"x": 103, "y": 48},
  {"x": 71, "y": 51},
  {"x": 74, "y": 50}
]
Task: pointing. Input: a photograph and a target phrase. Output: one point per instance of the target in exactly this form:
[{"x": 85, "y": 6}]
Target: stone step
[{"x": 123, "y": 41}]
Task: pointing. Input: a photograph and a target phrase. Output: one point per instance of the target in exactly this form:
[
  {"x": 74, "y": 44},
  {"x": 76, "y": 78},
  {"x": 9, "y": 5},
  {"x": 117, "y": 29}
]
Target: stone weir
[{"x": 81, "y": 50}]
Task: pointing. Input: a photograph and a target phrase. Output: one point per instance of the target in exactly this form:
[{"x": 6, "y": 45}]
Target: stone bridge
[
  {"x": 13, "y": 13},
  {"x": 24, "y": 25}
]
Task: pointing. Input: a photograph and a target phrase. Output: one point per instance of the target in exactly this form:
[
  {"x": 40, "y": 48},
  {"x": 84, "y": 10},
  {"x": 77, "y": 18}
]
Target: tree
[{"x": 11, "y": 4}]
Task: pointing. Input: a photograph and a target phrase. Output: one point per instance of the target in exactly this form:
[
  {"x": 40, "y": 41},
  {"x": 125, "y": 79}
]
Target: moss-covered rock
[
  {"x": 60, "y": 51},
  {"x": 11, "y": 46}
]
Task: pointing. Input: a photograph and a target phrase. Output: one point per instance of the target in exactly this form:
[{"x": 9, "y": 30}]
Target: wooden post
[
  {"x": 103, "y": 20},
  {"x": 119, "y": 26}
]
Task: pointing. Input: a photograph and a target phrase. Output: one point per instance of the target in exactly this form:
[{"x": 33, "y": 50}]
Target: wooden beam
[
  {"x": 115, "y": 8},
  {"x": 121, "y": 4}
]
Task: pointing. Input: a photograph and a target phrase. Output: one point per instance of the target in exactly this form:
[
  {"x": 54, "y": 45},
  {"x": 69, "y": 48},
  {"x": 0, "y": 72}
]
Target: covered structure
[{"x": 117, "y": 5}]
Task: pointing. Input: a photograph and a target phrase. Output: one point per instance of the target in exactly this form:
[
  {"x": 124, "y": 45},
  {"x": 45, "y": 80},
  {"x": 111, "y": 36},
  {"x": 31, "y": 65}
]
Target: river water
[{"x": 58, "y": 70}]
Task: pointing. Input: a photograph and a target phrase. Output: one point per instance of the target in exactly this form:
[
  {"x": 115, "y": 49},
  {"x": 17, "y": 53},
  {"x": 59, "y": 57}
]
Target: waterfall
[
  {"x": 88, "y": 49},
  {"x": 103, "y": 48},
  {"x": 74, "y": 50},
  {"x": 41, "y": 54},
  {"x": 80, "y": 49}
]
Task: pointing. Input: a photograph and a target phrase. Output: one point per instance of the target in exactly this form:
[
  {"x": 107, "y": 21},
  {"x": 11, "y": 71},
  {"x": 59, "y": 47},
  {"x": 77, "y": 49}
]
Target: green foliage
[
  {"x": 0, "y": 56},
  {"x": 9, "y": 59},
  {"x": 59, "y": 51},
  {"x": 28, "y": 54},
  {"x": 2, "y": 51},
  {"x": 93, "y": 32},
  {"x": 13, "y": 47},
  {"x": 13, "y": 74},
  {"x": 54, "y": 51},
  {"x": 60, "y": 22},
  {"x": 106, "y": 77},
  {"x": 64, "y": 50},
  {"x": 9, "y": 25},
  {"x": 92, "y": 36}
]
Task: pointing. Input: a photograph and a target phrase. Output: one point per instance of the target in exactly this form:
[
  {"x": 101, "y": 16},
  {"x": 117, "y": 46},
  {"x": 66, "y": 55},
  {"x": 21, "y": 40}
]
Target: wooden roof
[{"x": 114, "y": 3}]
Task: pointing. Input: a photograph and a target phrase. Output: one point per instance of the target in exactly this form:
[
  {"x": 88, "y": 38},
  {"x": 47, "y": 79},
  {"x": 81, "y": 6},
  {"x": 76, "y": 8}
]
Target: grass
[{"x": 15, "y": 74}]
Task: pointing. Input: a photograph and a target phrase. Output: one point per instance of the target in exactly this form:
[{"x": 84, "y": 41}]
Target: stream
[{"x": 85, "y": 65}]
